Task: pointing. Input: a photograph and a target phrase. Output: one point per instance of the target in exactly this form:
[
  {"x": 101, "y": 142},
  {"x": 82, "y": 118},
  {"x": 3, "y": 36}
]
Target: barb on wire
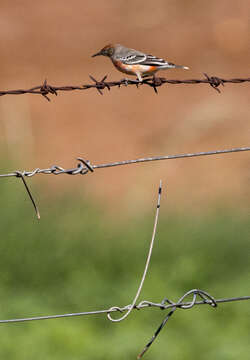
[
  {"x": 147, "y": 262},
  {"x": 85, "y": 166},
  {"x": 154, "y": 82}
]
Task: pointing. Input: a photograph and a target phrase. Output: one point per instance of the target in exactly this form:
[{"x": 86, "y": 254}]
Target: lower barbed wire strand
[{"x": 142, "y": 305}]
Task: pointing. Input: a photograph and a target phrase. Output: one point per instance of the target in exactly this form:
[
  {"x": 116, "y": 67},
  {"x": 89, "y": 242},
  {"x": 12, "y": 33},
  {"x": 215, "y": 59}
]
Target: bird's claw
[{"x": 125, "y": 81}]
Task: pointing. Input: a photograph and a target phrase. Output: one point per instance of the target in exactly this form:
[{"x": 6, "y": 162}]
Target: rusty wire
[
  {"x": 84, "y": 167},
  {"x": 154, "y": 82}
]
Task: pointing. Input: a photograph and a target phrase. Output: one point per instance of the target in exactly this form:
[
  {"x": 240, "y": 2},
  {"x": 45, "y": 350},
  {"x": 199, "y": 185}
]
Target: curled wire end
[
  {"x": 208, "y": 299},
  {"x": 205, "y": 297},
  {"x": 113, "y": 308}
]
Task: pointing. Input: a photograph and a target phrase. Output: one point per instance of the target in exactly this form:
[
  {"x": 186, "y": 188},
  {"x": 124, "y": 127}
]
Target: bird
[{"x": 134, "y": 62}]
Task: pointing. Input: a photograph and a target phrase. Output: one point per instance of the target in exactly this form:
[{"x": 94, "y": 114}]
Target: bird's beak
[{"x": 97, "y": 54}]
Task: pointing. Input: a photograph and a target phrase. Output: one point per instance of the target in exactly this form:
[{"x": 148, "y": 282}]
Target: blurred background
[{"x": 88, "y": 250}]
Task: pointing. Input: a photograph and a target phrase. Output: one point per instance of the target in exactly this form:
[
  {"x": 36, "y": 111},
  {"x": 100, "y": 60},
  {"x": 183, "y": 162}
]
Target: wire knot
[
  {"x": 46, "y": 89},
  {"x": 100, "y": 85},
  {"x": 156, "y": 81},
  {"x": 215, "y": 82},
  {"x": 84, "y": 170},
  {"x": 19, "y": 173},
  {"x": 204, "y": 296}
]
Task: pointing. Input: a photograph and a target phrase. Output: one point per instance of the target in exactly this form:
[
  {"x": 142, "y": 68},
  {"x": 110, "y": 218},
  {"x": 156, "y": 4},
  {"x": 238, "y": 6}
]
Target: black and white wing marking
[
  {"x": 133, "y": 59},
  {"x": 155, "y": 61}
]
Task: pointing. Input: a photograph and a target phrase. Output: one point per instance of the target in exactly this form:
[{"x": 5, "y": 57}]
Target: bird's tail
[
  {"x": 181, "y": 67},
  {"x": 171, "y": 65}
]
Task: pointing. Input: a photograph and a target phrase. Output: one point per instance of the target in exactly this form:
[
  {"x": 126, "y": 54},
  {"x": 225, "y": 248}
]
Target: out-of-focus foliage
[{"x": 74, "y": 260}]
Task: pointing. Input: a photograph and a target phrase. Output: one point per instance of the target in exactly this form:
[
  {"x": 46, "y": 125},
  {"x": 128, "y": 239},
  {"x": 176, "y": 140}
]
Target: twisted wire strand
[
  {"x": 206, "y": 298},
  {"x": 84, "y": 167},
  {"x": 142, "y": 305},
  {"x": 155, "y": 82}
]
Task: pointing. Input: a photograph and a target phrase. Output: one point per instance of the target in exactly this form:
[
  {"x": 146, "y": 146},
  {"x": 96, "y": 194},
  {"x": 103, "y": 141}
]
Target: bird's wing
[
  {"x": 155, "y": 61},
  {"x": 133, "y": 58}
]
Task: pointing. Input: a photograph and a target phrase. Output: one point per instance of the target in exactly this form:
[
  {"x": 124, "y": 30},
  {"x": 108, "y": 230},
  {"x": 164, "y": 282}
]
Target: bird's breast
[{"x": 134, "y": 68}]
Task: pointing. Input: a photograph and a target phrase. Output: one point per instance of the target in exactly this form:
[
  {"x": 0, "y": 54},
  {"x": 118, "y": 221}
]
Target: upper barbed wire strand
[{"x": 154, "y": 82}]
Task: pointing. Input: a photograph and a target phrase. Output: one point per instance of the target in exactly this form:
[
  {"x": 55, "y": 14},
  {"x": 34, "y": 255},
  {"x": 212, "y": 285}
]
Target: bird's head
[{"x": 108, "y": 50}]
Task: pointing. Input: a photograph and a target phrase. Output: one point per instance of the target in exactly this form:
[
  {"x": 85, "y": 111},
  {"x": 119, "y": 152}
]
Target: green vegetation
[{"x": 73, "y": 261}]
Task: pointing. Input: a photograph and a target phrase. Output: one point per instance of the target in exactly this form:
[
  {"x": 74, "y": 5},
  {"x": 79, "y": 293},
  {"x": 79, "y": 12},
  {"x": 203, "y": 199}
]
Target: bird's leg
[{"x": 138, "y": 74}]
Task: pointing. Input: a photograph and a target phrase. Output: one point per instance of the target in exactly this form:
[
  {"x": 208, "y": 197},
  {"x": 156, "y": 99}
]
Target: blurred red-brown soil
[{"x": 55, "y": 40}]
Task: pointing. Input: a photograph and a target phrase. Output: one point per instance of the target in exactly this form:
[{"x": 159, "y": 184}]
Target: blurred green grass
[{"x": 75, "y": 260}]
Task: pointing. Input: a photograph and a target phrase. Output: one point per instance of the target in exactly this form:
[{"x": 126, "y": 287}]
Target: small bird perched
[{"x": 134, "y": 62}]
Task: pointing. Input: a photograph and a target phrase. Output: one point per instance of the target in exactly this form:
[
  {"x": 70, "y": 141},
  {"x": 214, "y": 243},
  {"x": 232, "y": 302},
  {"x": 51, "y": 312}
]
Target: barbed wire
[
  {"x": 199, "y": 297},
  {"x": 84, "y": 167},
  {"x": 154, "y": 82}
]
